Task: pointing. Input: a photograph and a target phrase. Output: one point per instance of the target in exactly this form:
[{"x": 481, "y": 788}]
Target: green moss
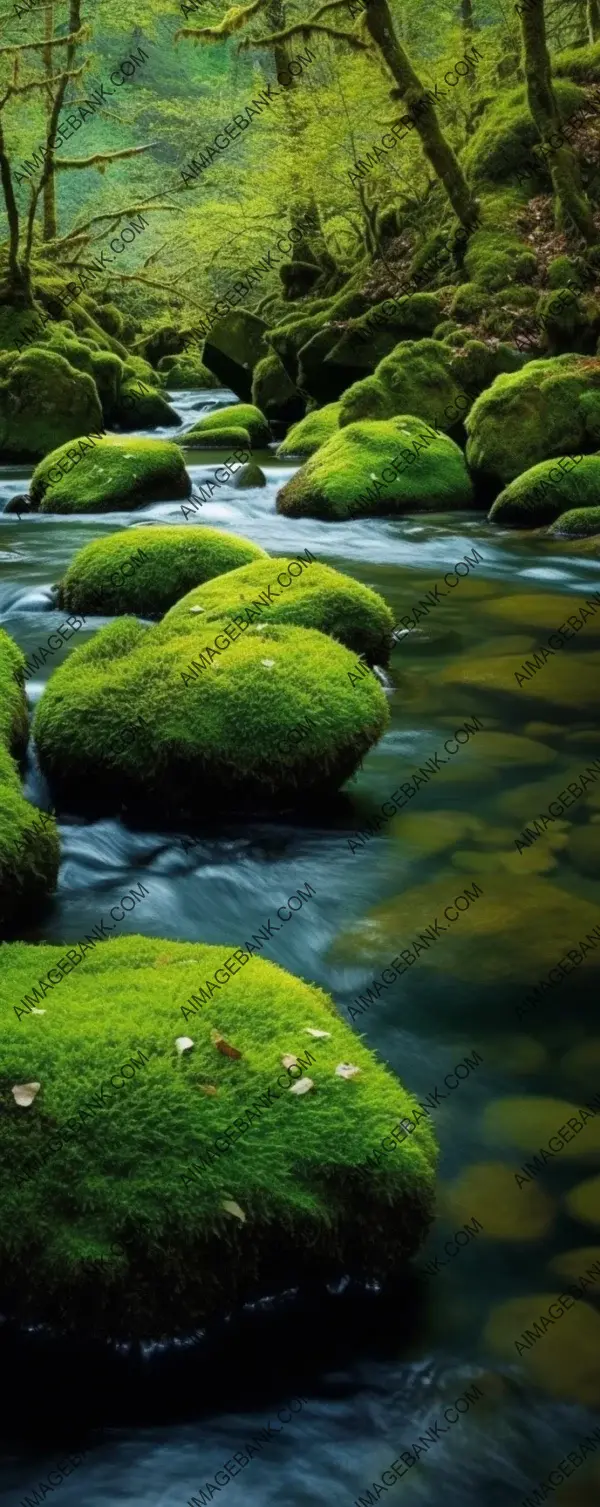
[
  {"x": 137, "y": 1188},
  {"x": 107, "y": 371},
  {"x": 475, "y": 365},
  {"x": 136, "y": 366},
  {"x": 138, "y": 409},
  {"x": 237, "y": 416},
  {"x": 494, "y": 259},
  {"x": 584, "y": 521},
  {"x": 273, "y": 392},
  {"x": 344, "y": 479},
  {"x": 549, "y": 408},
  {"x": 469, "y": 301},
  {"x": 145, "y": 717},
  {"x": 501, "y": 148},
  {"x": 29, "y": 846},
  {"x": 580, "y": 63},
  {"x": 408, "y": 318},
  {"x": 110, "y": 318},
  {"x": 320, "y": 598},
  {"x": 568, "y": 321},
  {"x": 306, "y": 436},
  {"x": 416, "y": 378},
  {"x": 214, "y": 439},
  {"x": 186, "y": 371},
  {"x": 564, "y": 272},
  {"x": 545, "y": 491},
  {"x": 109, "y": 473},
  {"x": 43, "y": 399},
  {"x": 288, "y": 338},
  {"x": 446, "y": 331},
  {"x": 107, "y": 577}
]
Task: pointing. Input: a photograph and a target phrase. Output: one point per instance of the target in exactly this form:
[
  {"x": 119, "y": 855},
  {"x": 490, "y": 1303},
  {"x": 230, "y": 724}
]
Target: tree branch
[
  {"x": 113, "y": 219},
  {"x": 305, "y": 29},
  {"x": 66, "y": 162},
  {"x": 44, "y": 83},
  {"x": 74, "y": 37},
  {"x": 233, "y": 20}
]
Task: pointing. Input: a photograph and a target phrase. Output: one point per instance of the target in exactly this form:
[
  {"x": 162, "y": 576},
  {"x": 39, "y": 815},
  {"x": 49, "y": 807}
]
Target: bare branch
[
  {"x": 74, "y": 37},
  {"x": 45, "y": 83},
  {"x": 66, "y": 162},
  {"x": 113, "y": 219}
]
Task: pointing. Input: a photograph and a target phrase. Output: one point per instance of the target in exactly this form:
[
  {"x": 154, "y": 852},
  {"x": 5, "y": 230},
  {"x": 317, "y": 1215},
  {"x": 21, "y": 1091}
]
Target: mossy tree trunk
[
  {"x": 561, "y": 160},
  {"x": 16, "y": 287},
  {"x": 468, "y": 24},
  {"x": 55, "y": 107},
  {"x": 50, "y": 225},
  {"x": 438, "y": 151},
  {"x": 593, "y": 20}
]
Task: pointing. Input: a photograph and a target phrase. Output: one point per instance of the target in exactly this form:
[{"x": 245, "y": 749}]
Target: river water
[{"x": 374, "y": 1369}]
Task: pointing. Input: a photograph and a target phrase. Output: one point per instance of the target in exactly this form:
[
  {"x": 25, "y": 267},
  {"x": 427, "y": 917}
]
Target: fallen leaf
[
  {"x": 223, "y": 1046},
  {"x": 33, "y": 1010},
  {"x": 346, "y": 1070},
  {"x": 302, "y": 1086},
  {"x": 208, "y": 1088},
  {"x": 24, "y": 1093},
  {"x": 289, "y": 1060},
  {"x": 196, "y": 609},
  {"x": 311, "y": 1031},
  {"x": 183, "y": 1043},
  {"x": 232, "y": 1208}
]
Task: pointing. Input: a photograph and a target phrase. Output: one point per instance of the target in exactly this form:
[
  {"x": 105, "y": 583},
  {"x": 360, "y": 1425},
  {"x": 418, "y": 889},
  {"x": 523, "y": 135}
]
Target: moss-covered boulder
[
  {"x": 233, "y": 348},
  {"x": 215, "y": 439},
  {"x": 29, "y": 846},
  {"x": 541, "y": 494},
  {"x": 274, "y": 393},
  {"x": 235, "y": 416},
  {"x": 570, "y": 321},
  {"x": 141, "y": 407},
  {"x": 146, "y": 570},
  {"x": 379, "y": 468},
  {"x": 204, "y": 717},
  {"x": 500, "y": 150},
  {"x": 202, "y": 1176},
  {"x": 582, "y": 522},
  {"x": 43, "y": 400},
  {"x": 415, "y": 378},
  {"x": 313, "y": 430},
  {"x": 99, "y": 475},
  {"x": 579, "y": 63},
  {"x": 247, "y": 477},
  {"x": 549, "y": 408},
  {"x": 495, "y": 258},
  {"x": 186, "y": 371},
  {"x": 320, "y": 598}
]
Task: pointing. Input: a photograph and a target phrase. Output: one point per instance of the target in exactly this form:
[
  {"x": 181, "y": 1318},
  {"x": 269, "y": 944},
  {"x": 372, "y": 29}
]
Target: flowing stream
[{"x": 374, "y": 1370}]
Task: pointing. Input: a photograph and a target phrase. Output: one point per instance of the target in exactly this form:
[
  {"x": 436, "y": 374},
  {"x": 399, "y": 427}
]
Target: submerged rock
[
  {"x": 29, "y": 845},
  {"x": 505, "y": 1213},
  {"x": 544, "y": 492},
  {"x": 215, "y": 439},
  {"x": 200, "y": 717},
  {"x": 320, "y": 598},
  {"x": 146, "y": 570},
  {"x": 249, "y": 476},
  {"x": 582, "y": 522},
  {"x": 97, "y": 475},
  {"x": 44, "y": 401},
  {"x": 233, "y": 348},
  {"x": 370, "y": 469},
  {"x": 549, "y": 408},
  {"x": 228, "y": 1179}
]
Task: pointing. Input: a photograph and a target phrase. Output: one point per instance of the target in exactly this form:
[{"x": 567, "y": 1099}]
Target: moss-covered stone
[
  {"x": 494, "y": 259},
  {"x": 108, "y": 473},
  {"x": 415, "y": 378},
  {"x": 247, "y": 477},
  {"x": 273, "y": 391},
  {"x": 43, "y": 399},
  {"x": 549, "y": 408},
  {"x": 541, "y": 494},
  {"x": 570, "y": 321},
  {"x": 215, "y": 439},
  {"x": 581, "y": 522},
  {"x": 198, "y": 719},
  {"x": 468, "y": 302},
  {"x": 233, "y": 348},
  {"x": 193, "y": 1224},
  {"x": 379, "y": 468},
  {"x": 235, "y": 416},
  {"x": 186, "y": 371},
  {"x": 162, "y": 339},
  {"x": 565, "y": 272},
  {"x": 501, "y": 148},
  {"x": 320, "y": 598},
  {"x": 29, "y": 846},
  {"x": 110, "y": 318},
  {"x": 313, "y": 430},
  {"x": 288, "y": 338},
  {"x": 579, "y": 63},
  {"x": 146, "y": 570},
  {"x": 140, "y": 407}
]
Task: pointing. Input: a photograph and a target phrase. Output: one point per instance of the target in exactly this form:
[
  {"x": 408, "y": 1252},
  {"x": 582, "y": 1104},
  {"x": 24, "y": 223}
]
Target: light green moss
[
  {"x": 580, "y": 63},
  {"x": 551, "y": 407},
  {"x": 320, "y": 598},
  {"x": 43, "y": 401},
  {"x": 216, "y": 727},
  {"x": 416, "y": 378},
  {"x": 584, "y": 521},
  {"x": 345, "y": 479},
  {"x": 109, "y": 473},
  {"x": 140, "y": 1188},
  {"x": 139, "y": 409},
  {"x": 542, "y": 493},
  {"x": 273, "y": 391},
  {"x": 108, "y": 577},
  {"x": 214, "y": 439},
  {"x": 564, "y": 272},
  {"x": 501, "y": 148},
  {"x": 29, "y": 846},
  {"x": 494, "y": 259},
  {"x": 468, "y": 303},
  {"x": 310, "y": 432},
  {"x": 186, "y": 371},
  {"x": 237, "y": 416}
]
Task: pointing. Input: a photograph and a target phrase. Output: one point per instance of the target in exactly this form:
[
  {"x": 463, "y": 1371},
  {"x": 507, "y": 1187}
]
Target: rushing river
[{"x": 375, "y": 1370}]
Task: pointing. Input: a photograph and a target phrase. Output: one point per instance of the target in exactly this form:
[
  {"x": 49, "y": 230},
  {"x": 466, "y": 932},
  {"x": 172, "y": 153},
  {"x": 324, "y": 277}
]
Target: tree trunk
[
  {"x": 593, "y": 20},
  {"x": 437, "y": 150},
  {"x": 468, "y": 26},
  {"x": 50, "y": 225},
  {"x": 561, "y": 160},
  {"x": 74, "y": 24}
]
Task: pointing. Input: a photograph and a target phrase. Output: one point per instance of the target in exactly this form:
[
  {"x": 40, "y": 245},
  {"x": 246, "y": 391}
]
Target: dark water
[{"x": 375, "y": 1369}]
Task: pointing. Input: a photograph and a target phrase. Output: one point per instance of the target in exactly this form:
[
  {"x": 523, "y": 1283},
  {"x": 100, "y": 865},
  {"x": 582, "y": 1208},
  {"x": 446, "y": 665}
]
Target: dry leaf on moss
[
  {"x": 24, "y": 1093},
  {"x": 289, "y": 1060},
  {"x": 302, "y": 1086},
  {"x": 208, "y": 1088},
  {"x": 223, "y": 1046},
  {"x": 183, "y": 1044},
  {"x": 312, "y": 1031},
  {"x": 346, "y": 1070},
  {"x": 232, "y": 1208},
  {"x": 33, "y": 1010}
]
